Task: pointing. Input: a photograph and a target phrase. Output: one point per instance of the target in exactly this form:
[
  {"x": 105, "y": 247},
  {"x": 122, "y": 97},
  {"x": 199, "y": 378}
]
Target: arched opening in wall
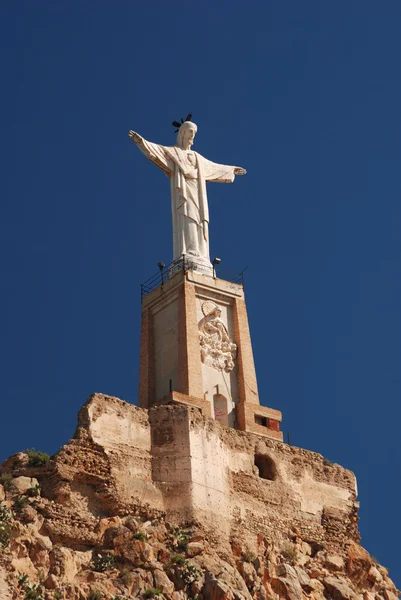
[
  {"x": 220, "y": 409},
  {"x": 267, "y": 467}
]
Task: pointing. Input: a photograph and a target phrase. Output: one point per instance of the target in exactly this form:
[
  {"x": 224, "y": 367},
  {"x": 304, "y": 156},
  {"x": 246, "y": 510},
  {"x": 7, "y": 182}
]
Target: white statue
[{"x": 188, "y": 172}]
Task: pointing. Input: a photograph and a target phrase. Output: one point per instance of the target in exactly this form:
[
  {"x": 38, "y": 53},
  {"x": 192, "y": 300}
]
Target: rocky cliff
[{"x": 126, "y": 510}]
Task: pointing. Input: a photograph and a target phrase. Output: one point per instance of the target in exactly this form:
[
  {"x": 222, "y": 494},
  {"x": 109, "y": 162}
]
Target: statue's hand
[
  {"x": 239, "y": 171},
  {"x": 134, "y": 136}
]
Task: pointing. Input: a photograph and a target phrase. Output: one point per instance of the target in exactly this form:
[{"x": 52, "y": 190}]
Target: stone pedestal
[{"x": 196, "y": 349}]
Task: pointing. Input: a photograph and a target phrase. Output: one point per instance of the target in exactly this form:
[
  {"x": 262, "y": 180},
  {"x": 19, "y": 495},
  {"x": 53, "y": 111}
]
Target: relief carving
[{"x": 217, "y": 350}]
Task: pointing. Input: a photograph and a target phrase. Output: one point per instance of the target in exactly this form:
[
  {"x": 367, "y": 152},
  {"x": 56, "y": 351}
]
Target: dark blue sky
[{"x": 306, "y": 96}]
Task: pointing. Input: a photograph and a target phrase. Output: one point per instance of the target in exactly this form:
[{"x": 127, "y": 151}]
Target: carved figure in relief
[
  {"x": 188, "y": 172},
  {"x": 217, "y": 350}
]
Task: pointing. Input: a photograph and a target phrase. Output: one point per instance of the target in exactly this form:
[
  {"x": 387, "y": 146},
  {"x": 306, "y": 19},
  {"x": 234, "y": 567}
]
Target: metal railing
[{"x": 185, "y": 264}]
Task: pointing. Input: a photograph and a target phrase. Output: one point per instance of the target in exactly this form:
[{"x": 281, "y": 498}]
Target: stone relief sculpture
[
  {"x": 217, "y": 350},
  {"x": 188, "y": 172}
]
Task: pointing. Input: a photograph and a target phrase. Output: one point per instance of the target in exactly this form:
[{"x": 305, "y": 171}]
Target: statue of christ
[{"x": 188, "y": 172}]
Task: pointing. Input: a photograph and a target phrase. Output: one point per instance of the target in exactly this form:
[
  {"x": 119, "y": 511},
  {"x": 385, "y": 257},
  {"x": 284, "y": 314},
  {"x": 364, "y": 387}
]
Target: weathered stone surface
[
  {"x": 334, "y": 562},
  {"x": 15, "y": 462},
  {"x": 2, "y": 493},
  {"x": 51, "y": 582},
  {"x": 339, "y": 589},
  {"x": 195, "y": 548},
  {"x": 304, "y": 579},
  {"x": 374, "y": 575},
  {"x": 66, "y": 563},
  {"x": 23, "y": 484},
  {"x": 134, "y": 550},
  {"x": 287, "y": 583},
  {"x": 248, "y": 573},
  {"x": 5, "y": 593},
  {"x": 358, "y": 563},
  {"x": 163, "y": 582},
  {"x": 389, "y": 595},
  {"x": 217, "y": 590}
]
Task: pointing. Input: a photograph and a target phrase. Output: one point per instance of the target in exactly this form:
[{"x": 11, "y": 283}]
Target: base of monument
[
  {"x": 184, "y": 399},
  {"x": 191, "y": 263},
  {"x": 252, "y": 418}
]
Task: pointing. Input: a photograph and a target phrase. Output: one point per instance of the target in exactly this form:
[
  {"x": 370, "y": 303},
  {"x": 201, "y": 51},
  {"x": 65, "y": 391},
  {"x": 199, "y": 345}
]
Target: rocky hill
[{"x": 67, "y": 531}]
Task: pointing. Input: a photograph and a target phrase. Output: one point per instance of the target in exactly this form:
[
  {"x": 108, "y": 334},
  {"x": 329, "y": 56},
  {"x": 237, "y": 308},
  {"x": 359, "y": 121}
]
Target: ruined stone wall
[
  {"x": 172, "y": 504},
  {"x": 288, "y": 488},
  {"x": 174, "y": 460}
]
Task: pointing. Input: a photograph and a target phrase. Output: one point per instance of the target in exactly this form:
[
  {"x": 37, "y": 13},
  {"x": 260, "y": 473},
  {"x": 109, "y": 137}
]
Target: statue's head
[{"x": 186, "y": 134}]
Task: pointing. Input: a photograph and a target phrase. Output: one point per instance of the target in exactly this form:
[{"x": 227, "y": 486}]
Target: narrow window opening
[
  {"x": 266, "y": 466},
  {"x": 261, "y": 420}
]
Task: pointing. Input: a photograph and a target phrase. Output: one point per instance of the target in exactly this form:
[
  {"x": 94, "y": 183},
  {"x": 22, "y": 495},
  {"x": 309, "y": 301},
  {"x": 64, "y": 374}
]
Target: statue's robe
[{"x": 188, "y": 172}]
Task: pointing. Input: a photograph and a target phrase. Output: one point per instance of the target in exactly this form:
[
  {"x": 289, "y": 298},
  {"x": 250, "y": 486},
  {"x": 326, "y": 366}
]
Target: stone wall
[
  {"x": 172, "y": 459},
  {"x": 140, "y": 504}
]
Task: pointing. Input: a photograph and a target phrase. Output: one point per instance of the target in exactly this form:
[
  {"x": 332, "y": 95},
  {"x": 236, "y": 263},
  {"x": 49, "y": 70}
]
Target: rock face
[{"x": 169, "y": 504}]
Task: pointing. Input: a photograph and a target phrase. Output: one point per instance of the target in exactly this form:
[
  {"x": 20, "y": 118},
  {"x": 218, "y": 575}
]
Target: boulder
[
  {"x": 23, "y": 484},
  {"x": 105, "y": 524},
  {"x": 389, "y": 595},
  {"x": 287, "y": 583},
  {"x": 136, "y": 551},
  {"x": 359, "y": 563},
  {"x": 334, "y": 562},
  {"x": 374, "y": 575},
  {"x": 304, "y": 579},
  {"x": 216, "y": 590},
  {"x": 51, "y": 582},
  {"x": 195, "y": 548},
  {"x": 248, "y": 573},
  {"x": 162, "y": 582},
  {"x": 338, "y": 589}
]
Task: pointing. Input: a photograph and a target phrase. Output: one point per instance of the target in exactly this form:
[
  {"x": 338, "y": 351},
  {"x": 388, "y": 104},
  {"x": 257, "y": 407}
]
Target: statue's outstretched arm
[
  {"x": 220, "y": 173},
  {"x": 154, "y": 152}
]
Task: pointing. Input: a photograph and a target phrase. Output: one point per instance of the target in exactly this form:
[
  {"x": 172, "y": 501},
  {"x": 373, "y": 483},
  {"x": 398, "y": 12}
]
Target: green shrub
[
  {"x": 36, "y": 458},
  {"x": 288, "y": 551},
  {"x": 95, "y": 595},
  {"x": 182, "y": 538},
  {"x": 327, "y": 462},
  {"x": 34, "y": 491},
  {"x": 139, "y": 535},
  {"x": 22, "y": 580},
  {"x": 177, "y": 559},
  {"x": 190, "y": 574},
  {"x": 20, "y": 503},
  {"x": 152, "y": 592},
  {"x": 102, "y": 563},
  {"x": 249, "y": 556},
  {"x": 57, "y": 595},
  {"x": 31, "y": 591},
  {"x": 5, "y": 527},
  {"x": 6, "y": 480}
]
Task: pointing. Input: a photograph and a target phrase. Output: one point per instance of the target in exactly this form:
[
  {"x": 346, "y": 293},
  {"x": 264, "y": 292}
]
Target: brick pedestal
[{"x": 171, "y": 366}]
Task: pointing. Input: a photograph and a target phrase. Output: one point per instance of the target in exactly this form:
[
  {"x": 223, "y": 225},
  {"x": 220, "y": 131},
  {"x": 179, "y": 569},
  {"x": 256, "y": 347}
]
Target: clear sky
[{"x": 306, "y": 96}]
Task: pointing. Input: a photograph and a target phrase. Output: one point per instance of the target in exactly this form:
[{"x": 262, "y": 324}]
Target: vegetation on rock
[{"x": 36, "y": 458}]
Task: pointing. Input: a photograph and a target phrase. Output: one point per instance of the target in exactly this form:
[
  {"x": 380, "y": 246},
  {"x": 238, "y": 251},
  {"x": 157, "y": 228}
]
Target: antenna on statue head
[{"x": 178, "y": 125}]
